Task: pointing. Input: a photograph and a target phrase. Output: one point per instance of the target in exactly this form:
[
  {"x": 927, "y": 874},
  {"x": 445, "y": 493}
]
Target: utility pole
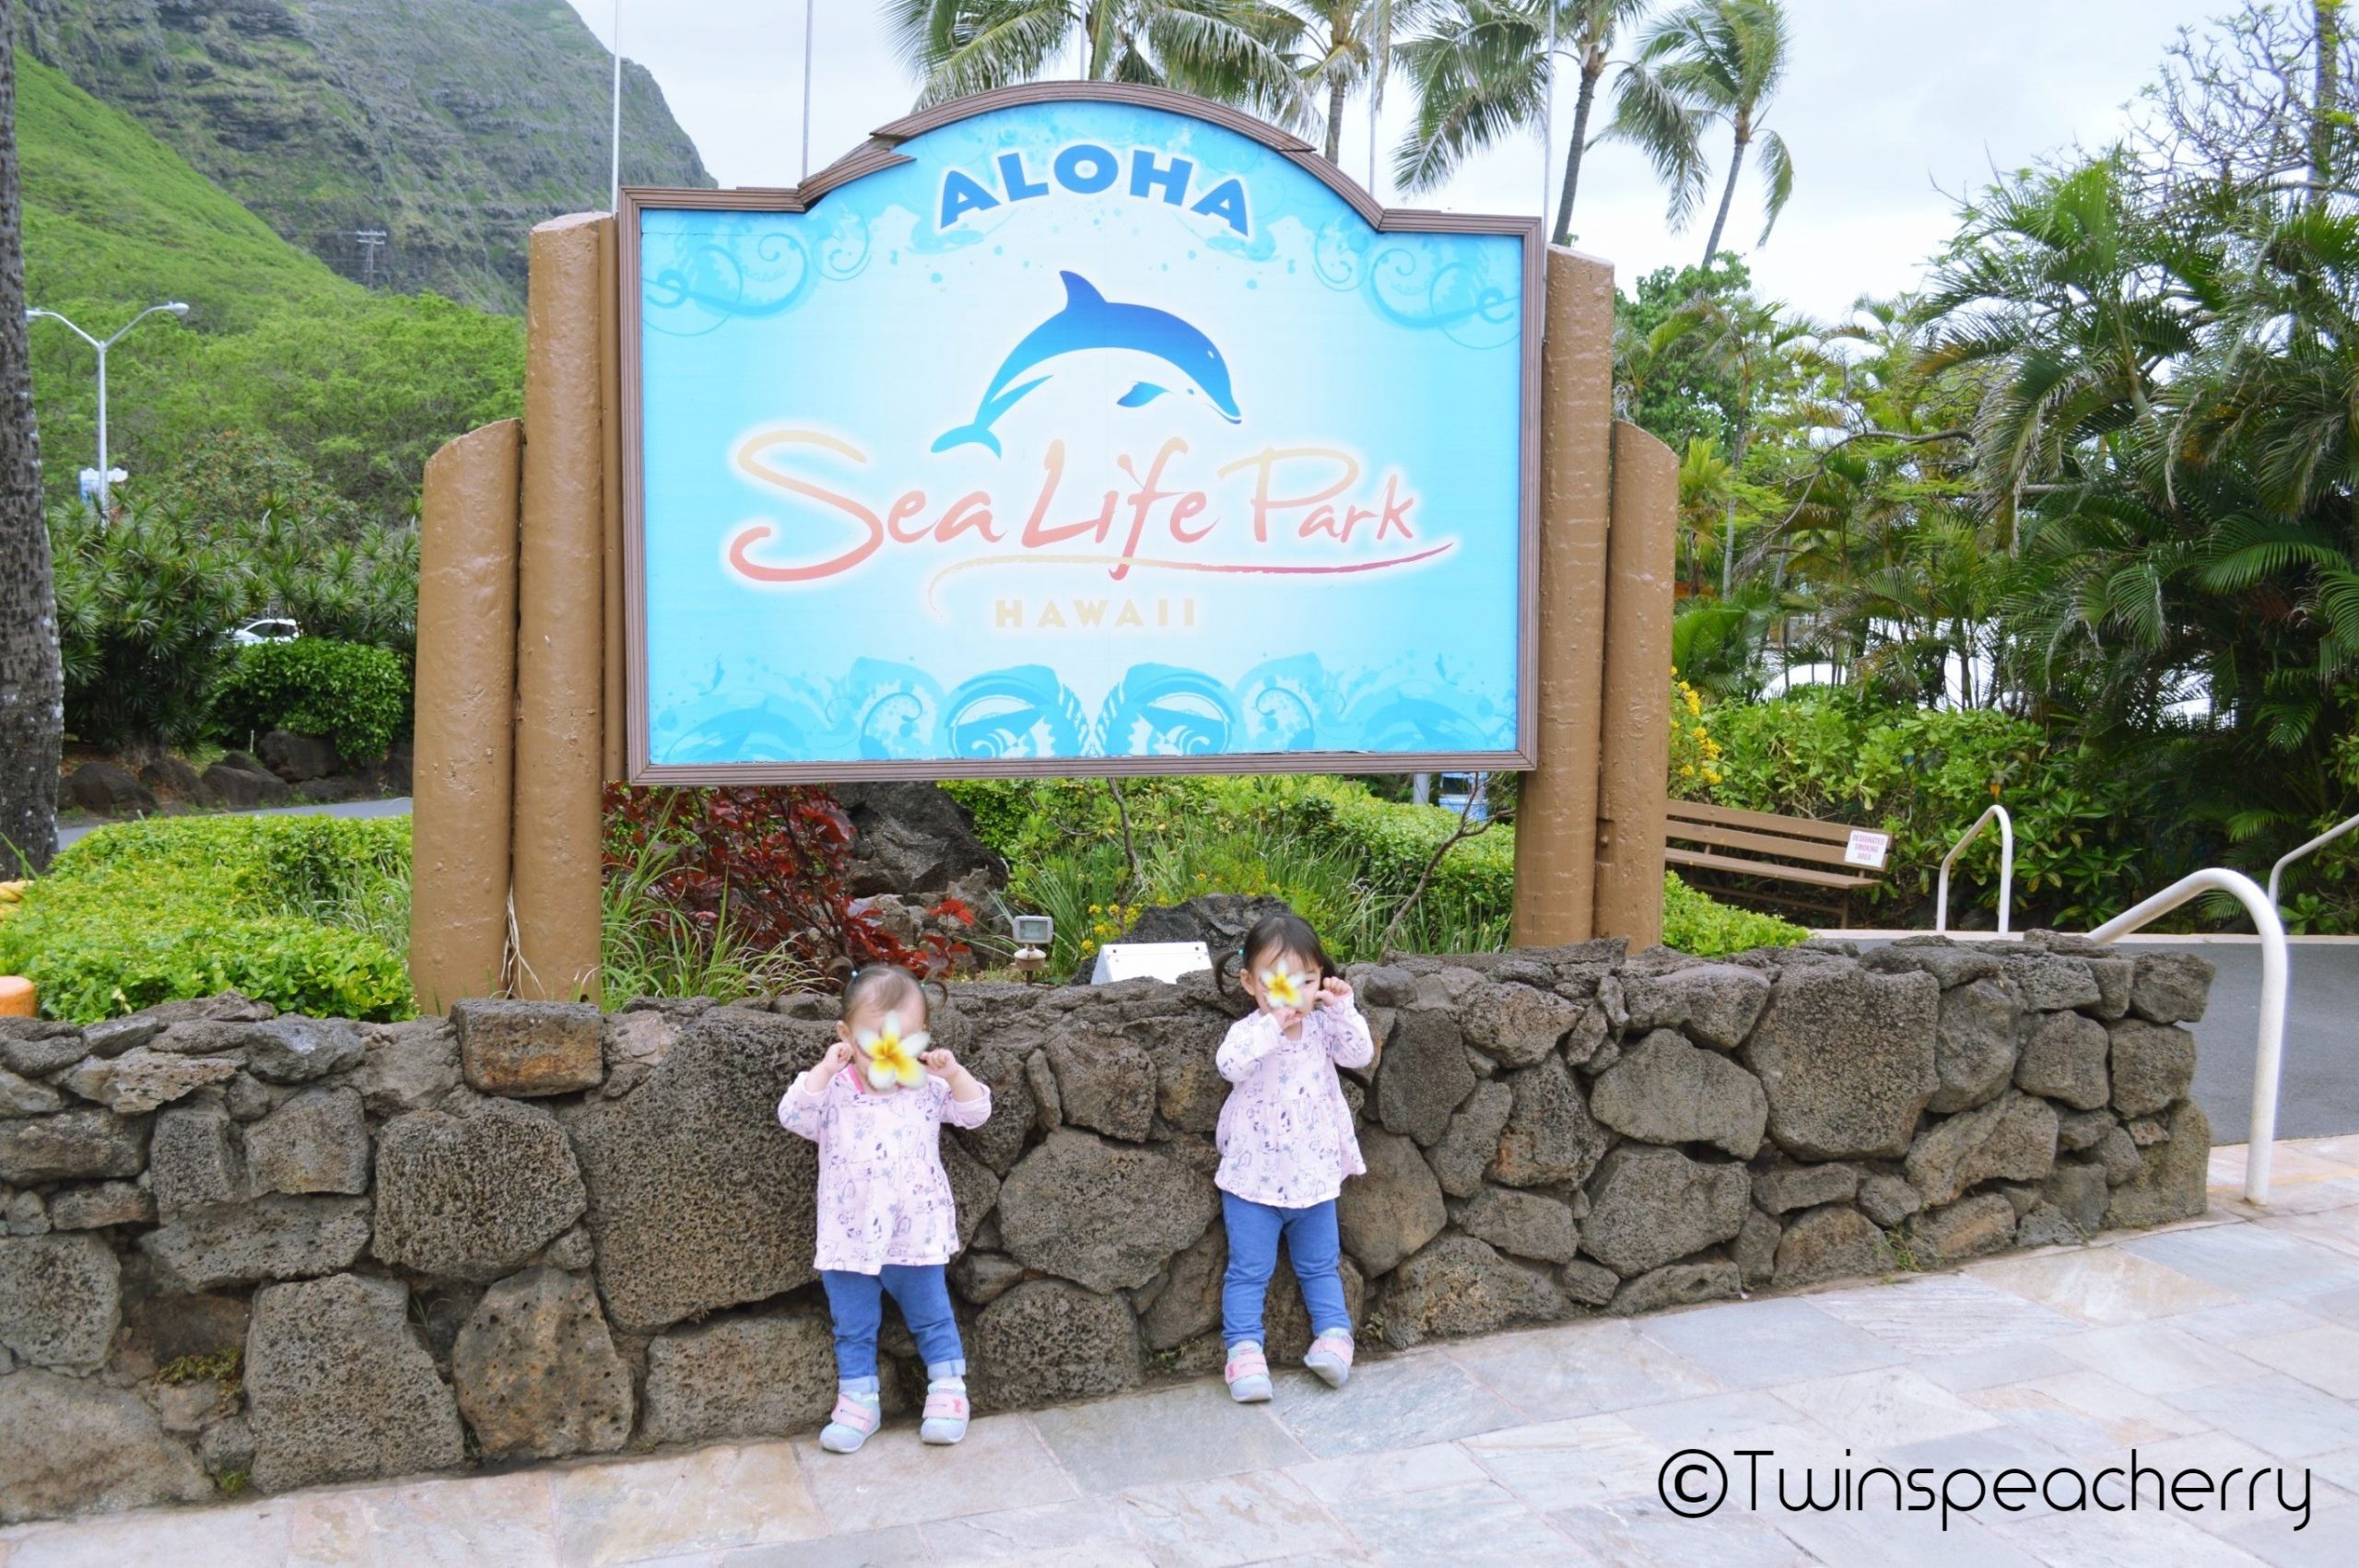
[
  {"x": 615, "y": 138},
  {"x": 372, "y": 241}
]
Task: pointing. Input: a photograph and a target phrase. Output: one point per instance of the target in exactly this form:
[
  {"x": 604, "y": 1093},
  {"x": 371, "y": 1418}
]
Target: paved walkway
[{"x": 2229, "y": 1343}]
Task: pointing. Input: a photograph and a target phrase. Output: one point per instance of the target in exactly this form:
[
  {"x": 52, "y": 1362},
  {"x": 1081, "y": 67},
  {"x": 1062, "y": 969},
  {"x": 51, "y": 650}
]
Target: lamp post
[{"x": 174, "y": 307}]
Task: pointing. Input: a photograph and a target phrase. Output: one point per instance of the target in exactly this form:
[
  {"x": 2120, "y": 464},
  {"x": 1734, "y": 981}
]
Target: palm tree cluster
[
  {"x": 2099, "y": 472},
  {"x": 1698, "y": 75}
]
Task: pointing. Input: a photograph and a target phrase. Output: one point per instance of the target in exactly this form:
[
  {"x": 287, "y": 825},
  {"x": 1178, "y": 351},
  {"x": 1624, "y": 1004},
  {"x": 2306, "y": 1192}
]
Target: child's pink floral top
[
  {"x": 883, "y": 1196},
  {"x": 1285, "y": 1134}
]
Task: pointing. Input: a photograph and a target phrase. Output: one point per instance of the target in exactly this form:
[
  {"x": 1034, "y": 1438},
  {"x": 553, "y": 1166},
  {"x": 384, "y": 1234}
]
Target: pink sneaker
[
  {"x": 1249, "y": 1374},
  {"x": 946, "y": 1412},
  {"x": 1330, "y": 1357},
  {"x": 855, "y": 1416}
]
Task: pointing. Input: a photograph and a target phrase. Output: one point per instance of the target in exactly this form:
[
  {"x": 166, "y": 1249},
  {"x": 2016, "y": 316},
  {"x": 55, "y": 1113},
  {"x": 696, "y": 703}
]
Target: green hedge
[
  {"x": 277, "y": 908},
  {"x": 1389, "y": 842},
  {"x": 354, "y": 696},
  {"x": 2084, "y": 832}
]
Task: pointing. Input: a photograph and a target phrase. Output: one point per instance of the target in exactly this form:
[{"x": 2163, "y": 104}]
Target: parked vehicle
[
  {"x": 1457, "y": 789},
  {"x": 267, "y": 629}
]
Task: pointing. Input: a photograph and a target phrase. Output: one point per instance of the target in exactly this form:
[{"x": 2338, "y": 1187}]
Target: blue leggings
[
  {"x": 1254, "y": 1230},
  {"x": 856, "y": 1302}
]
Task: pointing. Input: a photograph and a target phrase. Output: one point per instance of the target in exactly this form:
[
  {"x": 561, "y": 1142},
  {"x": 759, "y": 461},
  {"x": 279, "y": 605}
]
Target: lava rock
[
  {"x": 75, "y": 1446},
  {"x": 2171, "y": 1180},
  {"x": 535, "y": 1373},
  {"x": 2012, "y": 1138},
  {"x": 1780, "y": 1189},
  {"x": 1716, "y": 1004},
  {"x": 2065, "y": 1060},
  {"x": 196, "y": 1158},
  {"x": 1525, "y": 1223},
  {"x": 1667, "y": 1091},
  {"x": 2153, "y": 1066},
  {"x": 1677, "y": 1285},
  {"x": 1969, "y": 1228},
  {"x": 60, "y": 1300},
  {"x": 71, "y": 1146},
  {"x": 1456, "y": 1285},
  {"x": 107, "y": 790},
  {"x": 1105, "y": 1084},
  {"x": 317, "y": 1141},
  {"x": 1471, "y": 1142},
  {"x": 1975, "y": 1041},
  {"x": 476, "y": 1193},
  {"x": 1393, "y": 1210},
  {"x": 2171, "y": 988},
  {"x": 1103, "y": 1214},
  {"x": 1425, "y": 1075},
  {"x": 294, "y": 1049},
  {"x": 1836, "y": 1241},
  {"x": 270, "y": 1238},
  {"x": 1516, "y": 1026},
  {"x": 340, "y": 1388},
  {"x": 407, "y": 1067},
  {"x": 1046, "y": 1341},
  {"x": 1649, "y": 1206},
  {"x": 529, "y": 1048},
  {"x": 699, "y": 1199},
  {"x": 1860, "y": 1100},
  {"x": 1550, "y": 1139}
]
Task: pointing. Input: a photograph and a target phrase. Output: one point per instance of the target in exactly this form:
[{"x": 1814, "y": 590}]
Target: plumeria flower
[
  {"x": 893, "y": 1056},
  {"x": 1286, "y": 988}
]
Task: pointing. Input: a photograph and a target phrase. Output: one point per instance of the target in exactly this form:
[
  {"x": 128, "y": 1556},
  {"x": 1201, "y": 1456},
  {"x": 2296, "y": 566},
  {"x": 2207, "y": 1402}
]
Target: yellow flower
[
  {"x": 1096, "y": 911},
  {"x": 1283, "y": 986},
  {"x": 1695, "y": 703},
  {"x": 892, "y": 1056},
  {"x": 1710, "y": 776},
  {"x": 1687, "y": 770}
]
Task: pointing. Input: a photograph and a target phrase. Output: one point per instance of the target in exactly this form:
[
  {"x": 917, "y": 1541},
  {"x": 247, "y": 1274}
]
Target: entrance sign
[{"x": 1076, "y": 429}]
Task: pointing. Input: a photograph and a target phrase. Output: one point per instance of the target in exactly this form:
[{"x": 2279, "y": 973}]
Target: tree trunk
[
  {"x": 1727, "y": 194},
  {"x": 1335, "y": 119},
  {"x": 1592, "y": 67},
  {"x": 2326, "y": 101},
  {"x": 32, "y": 685}
]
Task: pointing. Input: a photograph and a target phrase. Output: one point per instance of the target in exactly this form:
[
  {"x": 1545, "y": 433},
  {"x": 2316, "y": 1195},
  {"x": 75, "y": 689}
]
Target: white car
[{"x": 269, "y": 630}]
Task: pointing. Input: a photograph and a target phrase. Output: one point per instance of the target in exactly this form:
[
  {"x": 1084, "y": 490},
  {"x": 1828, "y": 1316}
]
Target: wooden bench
[{"x": 1823, "y": 862}]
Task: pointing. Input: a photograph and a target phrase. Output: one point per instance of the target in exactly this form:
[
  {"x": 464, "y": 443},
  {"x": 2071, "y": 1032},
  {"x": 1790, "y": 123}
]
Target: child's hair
[
  {"x": 880, "y": 988},
  {"x": 1274, "y": 934}
]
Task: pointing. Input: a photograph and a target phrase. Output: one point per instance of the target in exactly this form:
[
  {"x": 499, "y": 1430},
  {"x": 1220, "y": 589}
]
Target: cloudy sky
[{"x": 1891, "y": 108}]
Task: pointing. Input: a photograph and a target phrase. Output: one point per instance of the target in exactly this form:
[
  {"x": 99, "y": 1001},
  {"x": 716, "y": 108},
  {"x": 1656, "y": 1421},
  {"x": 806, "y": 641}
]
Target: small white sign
[
  {"x": 1148, "y": 961},
  {"x": 1867, "y": 849}
]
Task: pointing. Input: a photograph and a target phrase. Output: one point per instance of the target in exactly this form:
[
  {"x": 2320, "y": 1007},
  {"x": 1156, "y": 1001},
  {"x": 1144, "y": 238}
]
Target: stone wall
[{"x": 277, "y": 1251}]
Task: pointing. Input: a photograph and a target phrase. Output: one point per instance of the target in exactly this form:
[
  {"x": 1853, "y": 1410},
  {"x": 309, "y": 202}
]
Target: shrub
[
  {"x": 289, "y": 910},
  {"x": 765, "y": 871},
  {"x": 1328, "y": 846},
  {"x": 2083, "y": 833},
  {"x": 1695, "y": 923},
  {"x": 354, "y": 696},
  {"x": 144, "y": 614}
]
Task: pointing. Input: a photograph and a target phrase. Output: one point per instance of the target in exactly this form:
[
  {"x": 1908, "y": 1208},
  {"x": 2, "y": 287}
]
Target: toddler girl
[
  {"x": 874, "y": 1106},
  {"x": 1285, "y": 1146}
]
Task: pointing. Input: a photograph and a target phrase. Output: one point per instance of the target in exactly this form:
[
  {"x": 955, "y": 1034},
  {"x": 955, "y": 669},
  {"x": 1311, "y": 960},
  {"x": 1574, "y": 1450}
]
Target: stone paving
[{"x": 2228, "y": 1342}]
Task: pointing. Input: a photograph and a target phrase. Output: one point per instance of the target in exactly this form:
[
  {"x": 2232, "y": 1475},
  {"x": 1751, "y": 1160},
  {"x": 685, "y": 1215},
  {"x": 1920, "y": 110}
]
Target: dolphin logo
[{"x": 1090, "y": 320}]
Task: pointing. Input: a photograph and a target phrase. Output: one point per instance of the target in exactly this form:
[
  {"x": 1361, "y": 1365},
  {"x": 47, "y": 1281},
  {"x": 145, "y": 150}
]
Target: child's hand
[
  {"x": 840, "y": 1056},
  {"x": 940, "y": 1063},
  {"x": 1335, "y": 993}
]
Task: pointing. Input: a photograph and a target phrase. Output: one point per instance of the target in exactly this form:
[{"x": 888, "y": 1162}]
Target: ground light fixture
[
  {"x": 170, "y": 307},
  {"x": 1033, "y": 934}
]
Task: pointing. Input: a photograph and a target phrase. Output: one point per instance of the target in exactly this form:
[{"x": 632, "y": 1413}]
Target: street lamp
[{"x": 174, "y": 307}]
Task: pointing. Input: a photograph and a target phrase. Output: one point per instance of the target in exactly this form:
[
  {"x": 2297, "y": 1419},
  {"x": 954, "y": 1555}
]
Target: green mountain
[
  {"x": 449, "y": 127},
  {"x": 362, "y": 386}
]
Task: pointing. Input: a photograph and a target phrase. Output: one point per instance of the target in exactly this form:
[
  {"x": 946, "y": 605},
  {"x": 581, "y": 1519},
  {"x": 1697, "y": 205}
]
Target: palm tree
[
  {"x": 1230, "y": 50},
  {"x": 1482, "y": 73},
  {"x": 1341, "y": 44},
  {"x": 32, "y": 685},
  {"x": 1710, "y": 60}
]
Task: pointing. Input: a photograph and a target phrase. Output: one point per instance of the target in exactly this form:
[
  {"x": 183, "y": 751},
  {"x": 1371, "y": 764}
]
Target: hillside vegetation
[
  {"x": 451, "y": 125},
  {"x": 363, "y": 385}
]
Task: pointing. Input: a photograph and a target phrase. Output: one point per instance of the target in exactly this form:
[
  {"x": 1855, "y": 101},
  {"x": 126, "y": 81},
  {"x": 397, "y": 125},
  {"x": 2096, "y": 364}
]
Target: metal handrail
[
  {"x": 2320, "y": 842},
  {"x": 2274, "y": 969},
  {"x": 2006, "y": 868}
]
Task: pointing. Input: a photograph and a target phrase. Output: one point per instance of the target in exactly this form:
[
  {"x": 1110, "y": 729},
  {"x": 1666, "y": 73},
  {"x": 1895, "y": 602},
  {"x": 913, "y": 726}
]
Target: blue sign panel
[{"x": 1088, "y": 432}]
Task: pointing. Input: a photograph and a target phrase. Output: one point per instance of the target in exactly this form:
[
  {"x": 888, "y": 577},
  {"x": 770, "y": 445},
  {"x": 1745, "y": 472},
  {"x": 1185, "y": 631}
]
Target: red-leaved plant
[{"x": 776, "y": 863}]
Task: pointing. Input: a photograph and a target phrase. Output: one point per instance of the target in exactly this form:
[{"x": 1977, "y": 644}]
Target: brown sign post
[{"x": 524, "y": 596}]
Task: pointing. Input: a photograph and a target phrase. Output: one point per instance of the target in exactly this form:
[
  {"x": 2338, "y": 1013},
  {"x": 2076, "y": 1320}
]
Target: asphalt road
[{"x": 2319, "y": 1073}]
